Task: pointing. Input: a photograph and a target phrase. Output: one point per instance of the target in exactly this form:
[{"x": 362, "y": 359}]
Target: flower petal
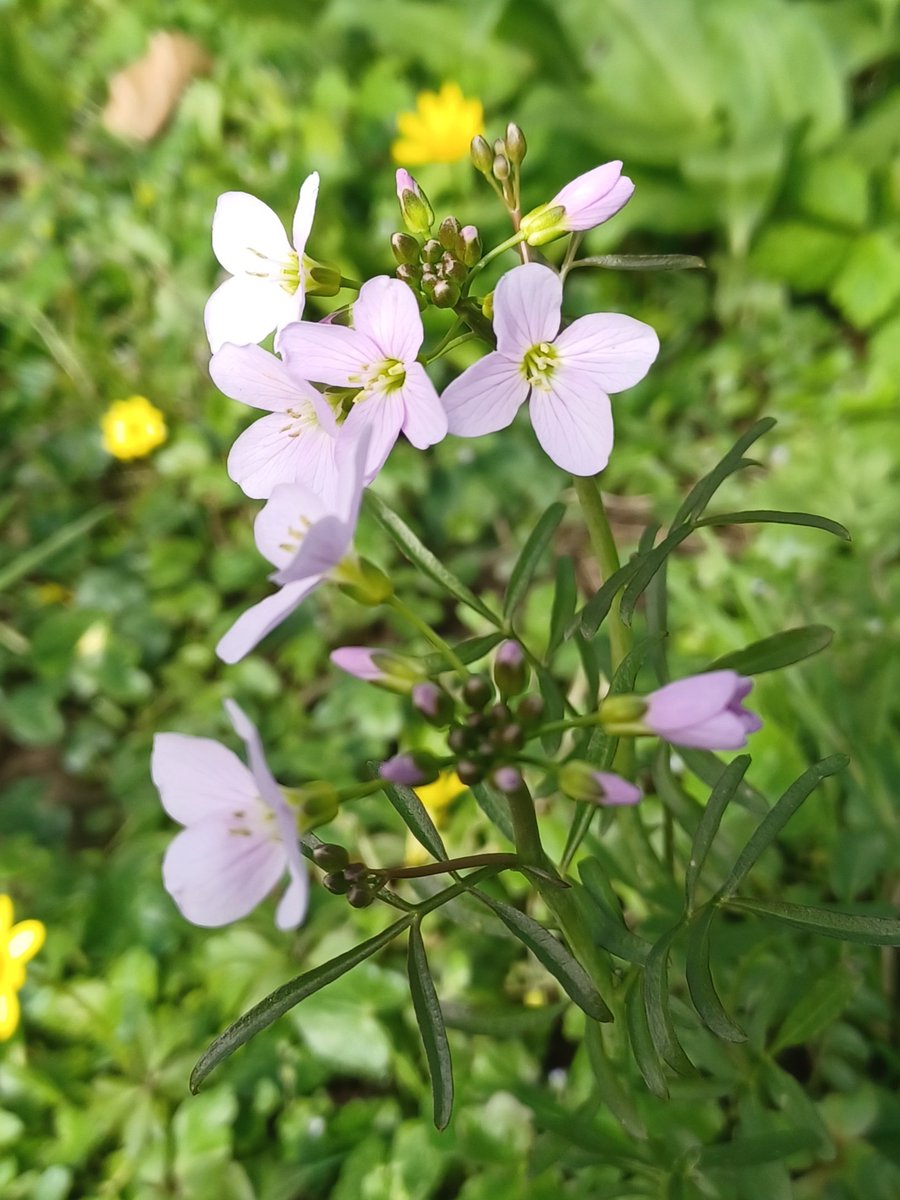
[
  {"x": 379, "y": 418},
  {"x": 255, "y": 377},
  {"x": 6, "y": 913},
  {"x": 305, "y": 211},
  {"x": 244, "y": 310},
  {"x": 594, "y": 197},
  {"x": 573, "y": 422},
  {"x": 617, "y": 790},
  {"x": 690, "y": 701},
  {"x": 273, "y": 451},
  {"x": 247, "y": 236},
  {"x": 293, "y": 904},
  {"x": 280, "y": 526},
  {"x": 25, "y": 939},
  {"x": 386, "y": 312},
  {"x": 424, "y": 421},
  {"x": 486, "y": 397},
  {"x": 358, "y": 661},
  {"x": 725, "y": 731},
  {"x": 253, "y": 625},
  {"x": 527, "y": 307},
  {"x": 199, "y": 778},
  {"x": 616, "y": 349},
  {"x": 331, "y": 354},
  {"x": 217, "y": 872},
  {"x": 9, "y": 1012}
]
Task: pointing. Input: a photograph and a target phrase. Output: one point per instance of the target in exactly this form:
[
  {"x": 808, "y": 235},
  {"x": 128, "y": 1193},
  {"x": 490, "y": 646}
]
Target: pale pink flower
[
  {"x": 703, "y": 711},
  {"x": 306, "y": 536},
  {"x": 566, "y": 375},
  {"x": 295, "y": 443},
  {"x": 376, "y": 359},
  {"x": 239, "y": 835},
  {"x": 586, "y": 202},
  {"x": 267, "y": 285},
  {"x": 582, "y": 782}
]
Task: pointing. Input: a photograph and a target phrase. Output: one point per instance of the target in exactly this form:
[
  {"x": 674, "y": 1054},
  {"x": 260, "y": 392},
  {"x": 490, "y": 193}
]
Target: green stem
[
  {"x": 350, "y": 283},
  {"x": 605, "y": 551},
  {"x": 451, "y": 864},
  {"x": 509, "y": 244},
  {"x": 428, "y": 633}
]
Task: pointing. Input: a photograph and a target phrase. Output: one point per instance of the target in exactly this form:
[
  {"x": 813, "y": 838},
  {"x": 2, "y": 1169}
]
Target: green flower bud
[
  {"x": 482, "y": 155},
  {"x": 453, "y": 269},
  {"x": 432, "y": 251},
  {"x": 405, "y": 248},
  {"x": 622, "y": 713},
  {"x": 448, "y": 235},
  {"x": 584, "y": 783},
  {"x": 417, "y": 213},
  {"x": 501, "y": 167},
  {"x": 543, "y": 224},
  {"x": 471, "y": 243},
  {"x": 365, "y": 582},
  {"x": 322, "y": 279},
  {"x": 477, "y": 691},
  {"x": 516, "y": 148},
  {"x": 446, "y": 293},
  {"x": 410, "y": 273}
]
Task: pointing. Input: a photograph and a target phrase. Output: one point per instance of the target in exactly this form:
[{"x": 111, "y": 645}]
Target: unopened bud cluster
[
  {"x": 499, "y": 162},
  {"x": 354, "y": 880},
  {"x": 438, "y": 269}
]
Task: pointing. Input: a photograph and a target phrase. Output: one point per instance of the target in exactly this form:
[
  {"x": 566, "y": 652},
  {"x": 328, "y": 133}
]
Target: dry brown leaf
[{"x": 143, "y": 96}]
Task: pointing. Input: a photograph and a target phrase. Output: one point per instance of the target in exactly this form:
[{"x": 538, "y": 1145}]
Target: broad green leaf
[
  {"x": 647, "y": 568},
  {"x": 643, "y": 262},
  {"x": 700, "y": 981},
  {"x": 704, "y": 489},
  {"x": 779, "y": 650},
  {"x": 778, "y": 816},
  {"x": 846, "y": 927},
  {"x": 530, "y": 557},
  {"x": 431, "y": 1026},
  {"x": 645, "y": 1053},
  {"x": 34, "y": 556},
  {"x": 770, "y": 516},
  {"x": 469, "y": 651},
  {"x": 595, "y": 612},
  {"x": 724, "y": 790},
  {"x": 283, "y": 999},
  {"x": 415, "y": 817},
  {"x": 495, "y": 807},
  {"x": 420, "y": 556},
  {"x": 656, "y": 1004},
  {"x": 612, "y": 1091},
  {"x": 548, "y": 950},
  {"x": 750, "y": 1151},
  {"x": 565, "y": 597},
  {"x": 817, "y": 1009}
]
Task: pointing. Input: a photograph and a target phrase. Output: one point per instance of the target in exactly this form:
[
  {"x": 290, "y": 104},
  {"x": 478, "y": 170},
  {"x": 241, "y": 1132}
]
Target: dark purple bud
[
  {"x": 477, "y": 691},
  {"x": 359, "y": 897},
  {"x": 458, "y": 739},
  {"x": 409, "y": 770},
  {"x": 469, "y": 772},
  {"x": 336, "y": 883},
  {"x": 530, "y": 711},
  {"x": 510, "y": 669},
  {"x": 432, "y": 702},
  {"x": 330, "y": 857},
  {"x": 508, "y": 780}
]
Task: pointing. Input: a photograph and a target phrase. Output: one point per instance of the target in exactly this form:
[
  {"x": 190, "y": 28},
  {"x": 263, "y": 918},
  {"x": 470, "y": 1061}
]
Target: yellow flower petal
[
  {"x": 9, "y": 1013},
  {"x": 6, "y": 914},
  {"x": 25, "y": 939},
  {"x": 440, "y": 130},
  {"x": 132, "y": 428},
  {"x": 439, "y": 795}
]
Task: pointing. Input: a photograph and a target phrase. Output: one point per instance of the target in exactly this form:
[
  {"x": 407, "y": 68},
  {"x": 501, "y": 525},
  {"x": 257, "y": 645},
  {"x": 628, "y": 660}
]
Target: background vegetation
[{"x": 762, "y": 134}]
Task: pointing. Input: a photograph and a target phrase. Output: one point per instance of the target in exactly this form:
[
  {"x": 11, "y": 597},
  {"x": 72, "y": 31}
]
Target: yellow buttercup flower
[
  {"x": 18, "y": 944},
  {"x": 440, "y": 130},
  {"x": 437, "y": 798},
  {"x": 132, "y": 428}
]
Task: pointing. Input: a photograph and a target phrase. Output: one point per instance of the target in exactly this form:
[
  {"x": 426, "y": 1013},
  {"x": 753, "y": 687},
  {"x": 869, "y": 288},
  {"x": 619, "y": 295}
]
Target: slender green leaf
[
  {"x": 595, "y": 612},
  {"x": 554, "y": 707},
  {"x": 609, "y": 1084},
  {"x": 817, "y": 1009},
  {"x": 469, "y": 651},
  {"x": 548, "y": 950},
  {"x": 531, "y": 555},
  {"x": 431, "y": 1026},
  {"x": 502, "y": 1021},
  {"x": 683, "y": 807},
  {"x": 605, "y": 922},
  {"x": 647, "y": 568},
  {"x": 708, "y": 768},
  {"x": 643, "y": 262},
  {"x": 700, "y": 981},
  {"x": 415, "y": 816},
  {"x": 283, "y": 999},
  {"x": 495, "y": 807},
  {"x": 34, "y": 556},
  {"x": 846, "y": 927},
  {"x": 779, "y": 650},
  {"x": 769, "y": 516},
  {"x": 420, "y": 556},
  {"x": 656, "y": 1004},
  {"x": 751, "y": 1151},
  {"x": 657, "y": 610},
  {"x": 725, "y": 788},
  {"x": 704, "y": 489},
  {"x": 565, "y": 597},
  {"x": 778, "y": 816},
  {"x": 645, "y": 1053}
]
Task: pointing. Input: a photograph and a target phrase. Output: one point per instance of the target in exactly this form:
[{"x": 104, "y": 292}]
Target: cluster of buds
[
  {"x": 500, "y": 163},
  {"x": 354, "y": 880},
  {"x": 438, "y": 269}
]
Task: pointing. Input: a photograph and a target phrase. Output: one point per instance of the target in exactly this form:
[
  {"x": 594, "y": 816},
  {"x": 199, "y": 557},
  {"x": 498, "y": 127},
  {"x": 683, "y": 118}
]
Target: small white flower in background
[
  {"x": 267, "y": 285},
  {"x": 240, "y": 834}
]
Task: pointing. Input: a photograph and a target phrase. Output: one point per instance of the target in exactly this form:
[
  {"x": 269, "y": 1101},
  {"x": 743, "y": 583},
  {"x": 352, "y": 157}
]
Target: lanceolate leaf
[
  {"x": 708, "y": 767},
  {"x": 722, "y": 793},
  {"x": 467, "y": 652},
  {"x": 421, "y": 557},
  {"x": 495, "y": 807},
  {"x": 531, "y": 555},
  {"x": 607, "y": 928},
  {"x": 647, "y": 568},
  {"x": 768, "y": 516},
  {"x": 597, "y": 608},
  {"x": 568, "y": 972},
  {"x": 612, "y": 1091},
  {"x": 819, "y": 1007},
  {"x": 779, "y": 650},
  {"x": 643, "y": 262},
  {"x": 846, "y": 927},
  {"x": 275, "y": 1005},
  {"x": 554, "y": 707},
  {"x": 565, "y": 597},
  {"x": 700, "y": 981},
  {"x": 704, "y": 490},
  {"x": 415, "y": 817},
  {"x": 656, "y": 1004},
  {"x": 773, "y": 823},
  {"x": 431, "y": 1026},
  {"x": 645, "y": 1053}
]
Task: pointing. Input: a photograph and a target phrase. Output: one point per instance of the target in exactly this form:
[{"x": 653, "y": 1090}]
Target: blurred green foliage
[{"x": 762, "y": 134}]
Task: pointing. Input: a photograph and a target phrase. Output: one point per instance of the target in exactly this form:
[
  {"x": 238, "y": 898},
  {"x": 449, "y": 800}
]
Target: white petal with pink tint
[
  {"x": 305, "y": 211},
  {"x": 616, "y": 349},
  {"x": 257, "y": 378},
  {"x": 425, "y": 421},
  {"x": 243, "y": 310},
  {"x": 279, "y": 528},
  {"x": 527, "y": 306},
  {"x": 253, "y": 625},
  {"x": 379, "y": 418},
  {"x": 485, "y": 397},
  {"x": 280, "y": 449},
  {"x": 247, "y": 236},
  {"x": 198, "y": 777},
  {"x": 329, "y": 354},
  {"x": 573, "y": 423},
  {"x": 387, "y": 313}
]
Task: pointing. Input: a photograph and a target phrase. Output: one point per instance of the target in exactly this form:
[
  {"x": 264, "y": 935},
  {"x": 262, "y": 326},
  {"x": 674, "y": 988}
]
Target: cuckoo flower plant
[
  {"x": 583, "y": 204},
  {"x": 565, "y": 374},
  {"x": 703, "y": 711},
  {"x": 240, "y": 834}
]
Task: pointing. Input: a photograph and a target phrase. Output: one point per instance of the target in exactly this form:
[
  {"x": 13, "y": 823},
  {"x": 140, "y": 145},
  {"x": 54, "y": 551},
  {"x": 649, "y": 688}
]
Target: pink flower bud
[{"x": 703, "y": 711}]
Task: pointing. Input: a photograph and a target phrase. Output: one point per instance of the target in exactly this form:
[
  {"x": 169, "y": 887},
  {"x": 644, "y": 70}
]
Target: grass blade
[{"x": 431, "y": 1026}]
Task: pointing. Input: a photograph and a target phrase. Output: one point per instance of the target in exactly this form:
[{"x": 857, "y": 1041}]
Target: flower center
[
  {"x": 379, "y": 379},
  {"x": 287, "y": 273},
  {"x": 301, "y": 416},
  {"x": 539, "y": 364},
  {"x": 295, "y": 535}
]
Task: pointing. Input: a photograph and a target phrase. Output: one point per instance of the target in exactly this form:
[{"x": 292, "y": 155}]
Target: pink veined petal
[
  {"x": 573, "y": 423},
  {"x": 329, "y": 354},
  {"x": 527, "y": 307},
  {"x": 199, "y": 778},
  {"x": 386, "y": 312},
  {"x": 280, "y": 526},
  {"x": 293, "y": 904},
  {"x": 247, "y": 236},
  {"x": 594, "y": 197},
  {"x": 305, "y": 211},
  {"x": 486, "y": 397},
  {"x": 269, "y": 453},
  {"x": 690, "y": 701},
  {"x": 725, "y": 731},
  {"x": 218, "y": 871},
  {"x": 244, "y": 310},
  {"x": 616, "y": 349},
  {"x": 616, "y": 789},
  {"x": 253, "y": 625},
  {"x": 379, "y": 418},
  {"x": 257, "y": 378},
  {"x": 425, "y": 421}
]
